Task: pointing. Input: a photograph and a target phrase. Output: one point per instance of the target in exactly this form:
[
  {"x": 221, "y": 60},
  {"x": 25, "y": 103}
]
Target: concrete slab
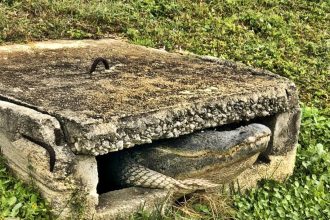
[{"x": 146, "y": 94}]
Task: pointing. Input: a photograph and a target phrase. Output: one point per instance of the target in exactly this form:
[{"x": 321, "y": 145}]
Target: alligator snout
[{"x": 196, "y": 153}]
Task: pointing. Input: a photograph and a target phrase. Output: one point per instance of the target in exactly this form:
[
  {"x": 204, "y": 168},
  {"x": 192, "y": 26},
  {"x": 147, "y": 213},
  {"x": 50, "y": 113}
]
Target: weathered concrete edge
[
  {"x": 18, "y": 119},
  {"x": 103, "y": 137},
  {"x": 122, "y": 203},
  {"x": 74, "y": 180},
  {"x": 41, "y": 45},
  {"x": 97, "y": 137},
  {"x": 285, "y": 132}
]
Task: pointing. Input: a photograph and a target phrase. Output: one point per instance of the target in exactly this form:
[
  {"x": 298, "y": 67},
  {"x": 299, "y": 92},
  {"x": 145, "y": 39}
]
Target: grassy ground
[{"x": 290, "y": 38}]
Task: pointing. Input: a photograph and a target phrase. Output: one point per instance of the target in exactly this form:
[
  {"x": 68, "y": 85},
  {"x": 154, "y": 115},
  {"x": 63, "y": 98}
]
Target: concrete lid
[{"x": 146, "y": 94}]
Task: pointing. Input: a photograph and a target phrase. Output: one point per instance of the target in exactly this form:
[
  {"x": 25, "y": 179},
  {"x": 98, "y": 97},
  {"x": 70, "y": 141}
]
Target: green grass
[
  {"x": 307, "y": 192},
  {"x": 290, "y": 38},
  {"x": 18, "y": 199}
]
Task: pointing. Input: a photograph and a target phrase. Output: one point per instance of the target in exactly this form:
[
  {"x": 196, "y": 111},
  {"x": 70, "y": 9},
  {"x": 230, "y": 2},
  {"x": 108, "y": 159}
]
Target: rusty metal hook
[
  {"x": 96, "y": 62},
  {"x": 48, "y": 148}
]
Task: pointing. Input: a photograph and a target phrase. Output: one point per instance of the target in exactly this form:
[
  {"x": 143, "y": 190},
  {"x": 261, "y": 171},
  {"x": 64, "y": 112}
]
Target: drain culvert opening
[{"x": 105, "y": 172}]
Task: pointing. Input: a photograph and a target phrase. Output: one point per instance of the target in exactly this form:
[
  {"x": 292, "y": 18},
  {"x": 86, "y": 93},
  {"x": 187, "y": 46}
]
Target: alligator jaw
[
  {"x": 195, "y": 154},
  {"x": 218, "y": 156}
]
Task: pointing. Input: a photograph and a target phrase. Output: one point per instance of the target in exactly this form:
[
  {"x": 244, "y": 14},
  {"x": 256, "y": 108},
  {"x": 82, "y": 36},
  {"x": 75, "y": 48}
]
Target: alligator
[{"x": 180, "y": 163}]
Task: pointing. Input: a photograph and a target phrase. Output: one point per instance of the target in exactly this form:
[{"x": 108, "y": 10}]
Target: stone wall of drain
[{"x": 106, "y": 181}]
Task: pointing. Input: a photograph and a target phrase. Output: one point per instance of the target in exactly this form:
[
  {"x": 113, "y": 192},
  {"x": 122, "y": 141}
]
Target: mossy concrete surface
[{"x": 146, "y": 94}]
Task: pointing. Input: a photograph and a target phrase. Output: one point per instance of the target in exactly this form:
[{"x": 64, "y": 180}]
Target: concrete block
[{"x": 285, "y": 132}]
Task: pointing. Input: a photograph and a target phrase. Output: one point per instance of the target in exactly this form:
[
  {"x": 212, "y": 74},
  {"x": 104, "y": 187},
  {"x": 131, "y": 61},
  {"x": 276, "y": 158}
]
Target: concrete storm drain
[{"x": 100, "y": 123}]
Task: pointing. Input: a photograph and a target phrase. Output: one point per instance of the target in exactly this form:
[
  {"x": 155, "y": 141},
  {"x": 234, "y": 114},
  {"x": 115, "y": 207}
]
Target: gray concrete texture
[{"x": 146, "y": 95}]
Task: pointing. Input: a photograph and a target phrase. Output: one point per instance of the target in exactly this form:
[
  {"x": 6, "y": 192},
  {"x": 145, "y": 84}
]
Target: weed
[{"x": 18, "y": 199}]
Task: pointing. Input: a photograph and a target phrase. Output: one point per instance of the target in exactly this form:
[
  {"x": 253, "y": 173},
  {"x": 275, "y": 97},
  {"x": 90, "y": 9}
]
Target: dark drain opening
[
  {"x": 107, "y": 166},
  {"x": 105, "y": 172}
]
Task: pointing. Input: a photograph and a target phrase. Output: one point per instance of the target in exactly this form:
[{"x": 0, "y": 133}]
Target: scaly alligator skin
[{"x": 179, "y": 163}]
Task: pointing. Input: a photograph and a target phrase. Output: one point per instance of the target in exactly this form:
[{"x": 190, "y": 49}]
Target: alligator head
[{"x": 191, "y": 156}]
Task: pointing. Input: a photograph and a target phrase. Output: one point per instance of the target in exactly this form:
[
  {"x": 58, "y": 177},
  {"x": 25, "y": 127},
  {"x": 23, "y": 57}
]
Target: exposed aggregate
[{"x": 176, "y": 122}]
